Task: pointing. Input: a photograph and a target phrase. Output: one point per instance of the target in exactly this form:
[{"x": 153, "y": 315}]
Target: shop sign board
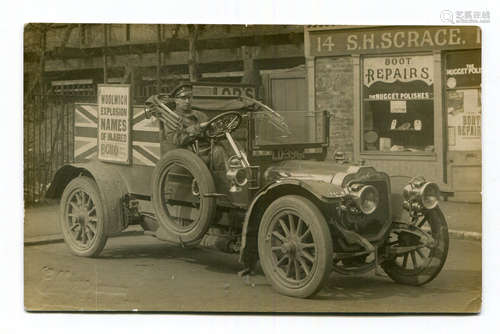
[
  {"x": 392, "y": 69},
  {"x": 400, "y": 78},
  {"x": 392, "y": 39},
  {"x": 114, "y": 118},
  {"x": 212, "y": 90}
]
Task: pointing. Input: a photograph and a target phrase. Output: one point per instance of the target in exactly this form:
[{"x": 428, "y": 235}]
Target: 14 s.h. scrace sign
[{"x": 392, "y": 39}]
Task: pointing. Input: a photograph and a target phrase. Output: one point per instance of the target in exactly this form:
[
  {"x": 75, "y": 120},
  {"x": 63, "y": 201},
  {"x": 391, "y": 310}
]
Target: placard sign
[
  {"x": 398, "y": 107},
  {"x": 114, "y": 113},
  {"x": 464, "y": 120}
]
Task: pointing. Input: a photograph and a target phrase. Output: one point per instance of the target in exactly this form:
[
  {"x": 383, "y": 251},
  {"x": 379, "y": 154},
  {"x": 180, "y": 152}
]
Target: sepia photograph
[{"x": 295, "y": 169}]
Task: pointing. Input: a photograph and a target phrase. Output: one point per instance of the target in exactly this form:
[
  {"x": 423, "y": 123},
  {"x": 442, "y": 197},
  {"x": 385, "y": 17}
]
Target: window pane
[
  {"x": 398, "y": 106},
  {"x": 411, "y": 130}
]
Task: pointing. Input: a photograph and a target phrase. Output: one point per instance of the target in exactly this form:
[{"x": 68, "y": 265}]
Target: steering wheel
[{"x": 220, "y": 124}]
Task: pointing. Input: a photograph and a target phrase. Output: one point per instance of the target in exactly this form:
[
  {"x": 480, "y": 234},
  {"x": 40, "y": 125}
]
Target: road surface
[{"x": 141, "y": 273}]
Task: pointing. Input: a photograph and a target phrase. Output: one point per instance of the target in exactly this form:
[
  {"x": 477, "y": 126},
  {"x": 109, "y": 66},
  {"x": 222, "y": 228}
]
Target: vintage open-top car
[{"x": 274, "y": 199}]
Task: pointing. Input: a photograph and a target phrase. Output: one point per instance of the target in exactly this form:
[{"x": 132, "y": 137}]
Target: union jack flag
[{"x": 145, "y": 135}]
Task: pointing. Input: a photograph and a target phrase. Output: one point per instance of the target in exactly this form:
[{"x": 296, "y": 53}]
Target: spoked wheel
[
  {"x": 181, "y": 185},
  {"x": 419, "y": 250},
  {"x": 82, "y": 217},
  {"x": 295, "y": 246}
]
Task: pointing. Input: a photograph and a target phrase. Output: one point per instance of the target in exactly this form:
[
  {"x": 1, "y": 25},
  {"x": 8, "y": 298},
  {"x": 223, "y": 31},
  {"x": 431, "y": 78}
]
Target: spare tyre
[{"x": 181, "y": 182}]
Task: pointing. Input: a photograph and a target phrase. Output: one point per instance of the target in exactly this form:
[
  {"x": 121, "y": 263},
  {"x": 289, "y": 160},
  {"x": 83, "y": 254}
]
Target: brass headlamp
[
  {"x": 426, "y": 194},
  {"x": 366, "y": 197}
]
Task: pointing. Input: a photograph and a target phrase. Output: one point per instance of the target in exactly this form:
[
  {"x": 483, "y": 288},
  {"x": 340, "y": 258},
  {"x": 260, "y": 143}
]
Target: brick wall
[{"x": 334, "y": 93}]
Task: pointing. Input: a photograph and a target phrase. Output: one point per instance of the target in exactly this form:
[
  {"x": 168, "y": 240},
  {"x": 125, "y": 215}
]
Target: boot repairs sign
[{"x": 114, "y": 118}]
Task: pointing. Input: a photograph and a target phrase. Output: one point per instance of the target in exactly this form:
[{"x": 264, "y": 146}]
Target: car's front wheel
[
  {"x": 295, "y": 246},
  {"x": 418, "y": 258}
]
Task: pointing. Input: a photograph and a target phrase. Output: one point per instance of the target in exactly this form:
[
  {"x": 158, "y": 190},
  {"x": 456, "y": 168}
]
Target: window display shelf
[
  {"x": 409, "y": 130},
  {"x": 402, "y": 155}
]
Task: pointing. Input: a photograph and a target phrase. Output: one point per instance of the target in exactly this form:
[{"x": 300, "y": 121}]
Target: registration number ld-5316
[{"x": 286, "y": 154}]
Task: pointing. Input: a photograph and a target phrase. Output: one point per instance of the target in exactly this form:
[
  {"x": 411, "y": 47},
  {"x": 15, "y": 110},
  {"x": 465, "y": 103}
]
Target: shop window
[{"x": 398, "y": 104}]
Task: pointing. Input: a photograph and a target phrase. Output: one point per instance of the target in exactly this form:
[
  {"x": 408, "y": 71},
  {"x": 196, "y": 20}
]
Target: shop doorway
[
  {"x": 463, "y": 109},
  {"x": 286, "y": 90}
]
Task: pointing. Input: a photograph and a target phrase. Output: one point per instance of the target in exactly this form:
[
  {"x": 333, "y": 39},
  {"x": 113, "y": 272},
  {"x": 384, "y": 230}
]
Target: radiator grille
[{"x": 373, "y": 223}]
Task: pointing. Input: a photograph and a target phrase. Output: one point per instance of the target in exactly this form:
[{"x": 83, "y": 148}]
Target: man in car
[{"x": 189, "y": 130}]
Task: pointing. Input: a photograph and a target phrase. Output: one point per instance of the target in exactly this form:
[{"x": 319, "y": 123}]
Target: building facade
[{"x": 406, "y": 100}]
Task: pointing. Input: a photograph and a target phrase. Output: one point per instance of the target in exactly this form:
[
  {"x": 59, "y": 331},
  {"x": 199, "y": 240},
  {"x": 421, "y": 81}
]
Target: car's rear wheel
[
  {"x": 295, "y": 246},
  {"x": 423, "y": 262},
  {"x": 182, "y": 185},
  {"x": 82, "y": 217}
]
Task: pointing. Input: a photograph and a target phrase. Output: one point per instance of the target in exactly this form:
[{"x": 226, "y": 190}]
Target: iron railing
[{"x": 48, "y": 140}]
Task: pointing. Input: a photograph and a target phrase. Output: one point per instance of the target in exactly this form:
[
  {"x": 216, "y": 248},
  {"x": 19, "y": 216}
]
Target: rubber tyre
[
  {"x": 88, "y": 186},
  {"x": 309, "y": 213},
  {"x": 437, "y": 255},
  {"x": 199, "y": 170}
]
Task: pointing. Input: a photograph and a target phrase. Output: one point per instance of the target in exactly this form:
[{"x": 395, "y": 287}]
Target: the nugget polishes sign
[
  {"x": 463, "y": 69},
  {"x": 114, "y": 113}
]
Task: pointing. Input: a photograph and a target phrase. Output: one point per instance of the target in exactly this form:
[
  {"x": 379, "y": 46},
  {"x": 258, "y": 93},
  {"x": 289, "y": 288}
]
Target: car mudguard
[
  {"x": 312, "y": 189},
  {"x": 114, "y": 182}
]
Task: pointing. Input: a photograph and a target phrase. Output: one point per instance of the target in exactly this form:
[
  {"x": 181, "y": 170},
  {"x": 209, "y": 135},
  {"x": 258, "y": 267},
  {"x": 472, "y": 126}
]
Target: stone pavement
[
  {"x": 464, "y": 219},
  {"x": 41, "y": 222}
]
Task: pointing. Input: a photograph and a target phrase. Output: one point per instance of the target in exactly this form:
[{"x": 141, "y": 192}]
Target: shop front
[{"x": 406, "y": 100}]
